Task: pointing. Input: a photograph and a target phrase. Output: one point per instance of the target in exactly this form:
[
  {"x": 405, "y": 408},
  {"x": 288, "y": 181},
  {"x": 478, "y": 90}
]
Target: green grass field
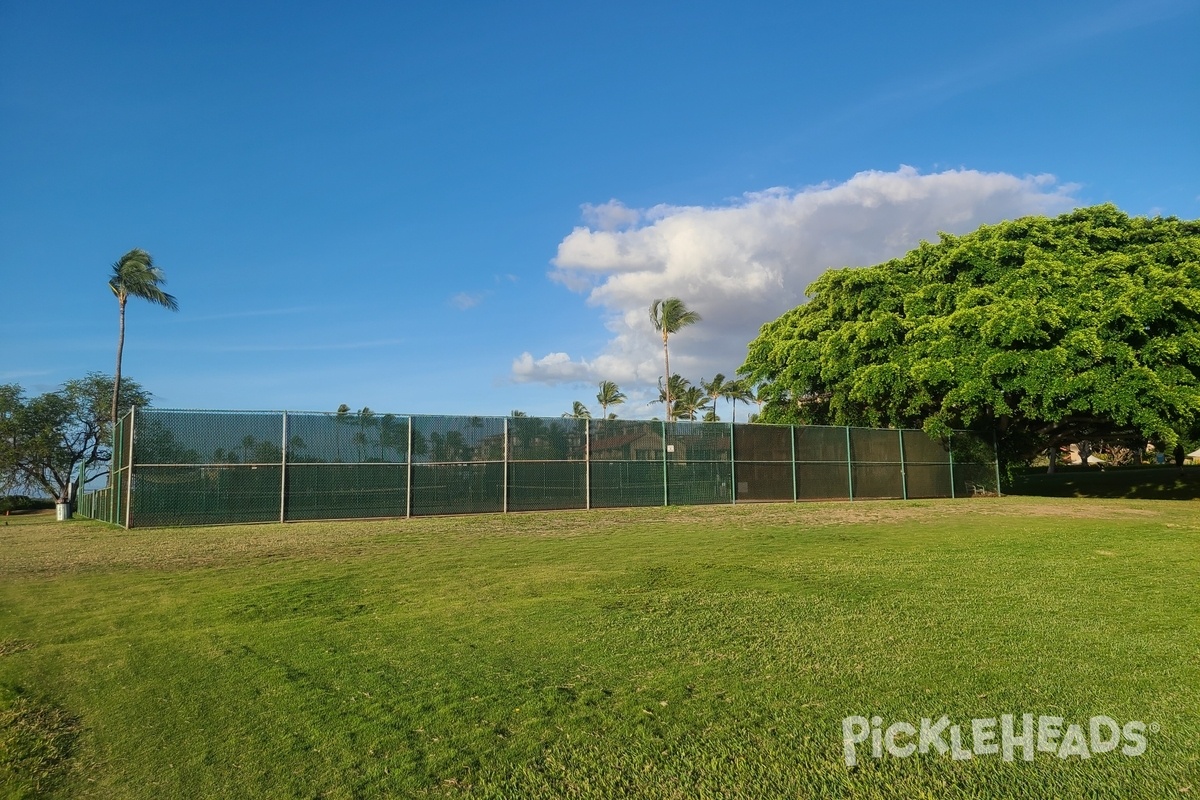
[{"x": 657, "y": 653}]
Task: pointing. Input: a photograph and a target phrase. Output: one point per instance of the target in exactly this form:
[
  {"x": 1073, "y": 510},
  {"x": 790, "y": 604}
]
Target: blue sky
[{"x": 468, "y": 207}]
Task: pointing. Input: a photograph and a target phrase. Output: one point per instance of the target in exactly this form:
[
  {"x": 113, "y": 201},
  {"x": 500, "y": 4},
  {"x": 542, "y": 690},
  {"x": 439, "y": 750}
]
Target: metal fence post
[
  {"x": 283, "y": 472},
  {"x": 950, "y": 449},
  {"x": 849, "y": 465},
  {"x": 666, "y": 494},
  {"x": 587, "y": 464},
  {"x": 505, "y": 483},
  {"x": 114, "y": 471},
  {"x": 408, "y": 460},
  {"x": 732, "y": 466},
  {"x": 795, "y": 488},
  {"x": 903, "y": 471},
  {"x": 129, "y": 472}
]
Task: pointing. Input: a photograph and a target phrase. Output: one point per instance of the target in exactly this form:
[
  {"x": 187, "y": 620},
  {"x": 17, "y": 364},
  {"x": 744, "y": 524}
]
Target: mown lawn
[{"x": 658, "y": 653}]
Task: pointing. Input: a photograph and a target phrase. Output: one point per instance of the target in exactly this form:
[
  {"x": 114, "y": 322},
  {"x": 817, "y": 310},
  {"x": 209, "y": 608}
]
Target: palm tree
[
  {"x": 437, "y": 444},
  {"x": 676, "y": 386},
  {"x": 456, "y": 447},
  {"x": 689, "y": 402},
  {"x": 340, "y": 418},
  {"x": 578, "y": 411},
  {"x": 734, "y": 391},
  {"x": 673, "y": 390},
  {"x": 717, "y": 388},
  {"x": 670, "y": 316},
  {"x": 755, "y": 395},
  {"x": 134, "y": 275},
  {"x": 609, "y": 395},
  {"x": 366, "y": 419}
]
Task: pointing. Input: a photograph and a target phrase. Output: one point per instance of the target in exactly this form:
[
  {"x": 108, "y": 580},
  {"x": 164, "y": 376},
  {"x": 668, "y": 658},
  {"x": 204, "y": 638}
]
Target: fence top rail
[{"x": 374, "y": 413}]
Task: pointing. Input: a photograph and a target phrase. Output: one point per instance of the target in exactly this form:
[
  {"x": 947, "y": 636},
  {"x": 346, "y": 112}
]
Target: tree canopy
[
  {"x": 1046, "y": 330},
  {"x": 46, "y": 439}
]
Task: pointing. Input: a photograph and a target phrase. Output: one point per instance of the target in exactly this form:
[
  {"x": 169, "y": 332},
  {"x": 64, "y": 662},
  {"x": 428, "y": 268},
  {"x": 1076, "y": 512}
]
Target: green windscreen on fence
[
  {"x": 763, "y": 463},
  {"x": 628, "y": 463},
  {"x": 699, "y": 463},
  {"x": 974, "y": 465},
  {"x": 214, "y": 494},
  {"x": 547, "y": 466},
  {"x": 346, "y": 491},
  {"x": 458, "y": 465},
  {"x": 217, "y": 467},
  {"x": 346, "y": 466},
  {"x": 926, "y": 465},
  {"x": 108, "y": 504},
  {"x": 875, "y": 455},
  {"x": 822, "y": 463}
]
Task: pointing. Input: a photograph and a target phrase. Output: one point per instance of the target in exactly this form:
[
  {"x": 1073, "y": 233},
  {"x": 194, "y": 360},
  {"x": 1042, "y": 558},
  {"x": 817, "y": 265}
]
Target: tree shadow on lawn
[{"x": 1165, "y": 482}]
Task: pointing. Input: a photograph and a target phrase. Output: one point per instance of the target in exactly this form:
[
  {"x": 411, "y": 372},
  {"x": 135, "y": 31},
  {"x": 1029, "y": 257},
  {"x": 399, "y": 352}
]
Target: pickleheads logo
[{"x": 992, "y": 736}]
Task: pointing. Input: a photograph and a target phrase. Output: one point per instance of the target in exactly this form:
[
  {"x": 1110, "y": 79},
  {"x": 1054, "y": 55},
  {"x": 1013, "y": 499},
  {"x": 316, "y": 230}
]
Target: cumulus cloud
[
  {"x": 610, "y": 216},
  {"x": 744, "y": 263}
]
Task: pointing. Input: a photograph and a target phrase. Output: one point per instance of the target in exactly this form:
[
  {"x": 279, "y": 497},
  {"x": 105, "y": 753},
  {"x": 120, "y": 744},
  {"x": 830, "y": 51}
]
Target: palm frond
[
  {"x": 134, "y": 275},
  {"x": 671, "y": 314}
]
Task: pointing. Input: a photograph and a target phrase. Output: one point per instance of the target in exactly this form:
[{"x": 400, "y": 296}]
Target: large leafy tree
[
  {"x": 48, "y": 441},
  {"x": 134, "y": 275},
  {"x": 12, "y": 401},
  {"x": 1084, "y": 326},
  {"x": 669, "y": 316}
]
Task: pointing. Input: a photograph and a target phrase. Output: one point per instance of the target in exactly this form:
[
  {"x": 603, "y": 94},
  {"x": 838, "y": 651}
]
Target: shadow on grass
[{"x": 1134, "y": 483}]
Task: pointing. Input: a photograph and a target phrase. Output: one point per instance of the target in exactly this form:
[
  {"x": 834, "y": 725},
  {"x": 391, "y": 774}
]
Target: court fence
[{"x": 176, "y": 467}]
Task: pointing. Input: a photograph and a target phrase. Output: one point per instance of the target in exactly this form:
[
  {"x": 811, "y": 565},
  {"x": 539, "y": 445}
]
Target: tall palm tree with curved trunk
[
  {"x": 670, "y": 316},
  {"x": 134, "y": 275},
  {"x": 609, "y": 395}
]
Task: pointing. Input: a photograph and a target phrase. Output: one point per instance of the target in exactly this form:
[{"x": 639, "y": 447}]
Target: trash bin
[{"x": 62, "y": 511}]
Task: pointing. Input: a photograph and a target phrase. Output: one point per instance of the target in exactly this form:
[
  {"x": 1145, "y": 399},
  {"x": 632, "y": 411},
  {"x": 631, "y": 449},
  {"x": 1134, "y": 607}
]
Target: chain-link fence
[
  {"x": 110, "y": 504},
  {"x": 216, "y": 467}
]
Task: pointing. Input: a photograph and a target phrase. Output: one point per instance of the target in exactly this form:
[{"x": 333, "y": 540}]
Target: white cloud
[
  {"x": 743, "y": 264},
  {"x": 610, "y": 216},
  {"x": 464, "y": 300},
  {"x": 551, "y": 368}
]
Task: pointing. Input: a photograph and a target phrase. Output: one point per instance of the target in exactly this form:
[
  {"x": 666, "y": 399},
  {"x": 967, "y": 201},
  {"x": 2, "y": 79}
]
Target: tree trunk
[
  {"x": 117, "y": 375},
  {"x": 667, "y": 362},
  {"x": 1053, "y": 456}
]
